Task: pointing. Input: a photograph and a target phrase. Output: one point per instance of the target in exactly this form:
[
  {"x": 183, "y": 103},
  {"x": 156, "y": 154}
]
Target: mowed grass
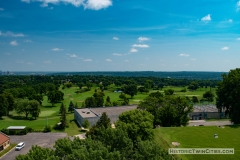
[{"x": 201, "y": 137}]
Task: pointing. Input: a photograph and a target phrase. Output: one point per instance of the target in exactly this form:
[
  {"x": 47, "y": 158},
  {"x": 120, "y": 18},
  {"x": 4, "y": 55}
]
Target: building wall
[
  {"x": 92, "y": 120},
  {"x": 205, "y": 115},
  {"x": 5, "y": 145}
]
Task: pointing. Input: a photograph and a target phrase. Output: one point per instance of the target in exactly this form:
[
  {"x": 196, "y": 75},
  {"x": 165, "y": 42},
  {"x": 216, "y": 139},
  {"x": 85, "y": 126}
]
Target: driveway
[
  {"x": 40, "y": 139},
  {"x": 209, "y": 123}
]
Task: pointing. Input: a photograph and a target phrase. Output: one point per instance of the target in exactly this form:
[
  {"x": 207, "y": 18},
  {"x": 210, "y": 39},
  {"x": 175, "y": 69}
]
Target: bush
[
  {"x": 47, "y": 129},
  {"x": 115, "y": 103},
  {"x": 86, "y": 124}
]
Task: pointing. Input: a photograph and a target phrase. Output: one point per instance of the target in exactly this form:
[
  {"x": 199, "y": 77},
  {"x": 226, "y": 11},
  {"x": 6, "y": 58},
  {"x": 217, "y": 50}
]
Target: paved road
[
  {"x": 210, "y": 123},
  {"x": 40, "y": 139}
]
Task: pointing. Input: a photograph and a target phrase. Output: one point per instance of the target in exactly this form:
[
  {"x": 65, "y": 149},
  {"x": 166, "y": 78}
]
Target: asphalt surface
[
  {"x": 40, "y": 139},
  {"x": 209, "y": 123}
]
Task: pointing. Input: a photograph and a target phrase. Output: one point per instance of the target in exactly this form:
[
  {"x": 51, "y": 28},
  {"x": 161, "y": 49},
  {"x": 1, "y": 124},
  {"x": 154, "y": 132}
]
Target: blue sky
[{"x": 119, "y": 35}]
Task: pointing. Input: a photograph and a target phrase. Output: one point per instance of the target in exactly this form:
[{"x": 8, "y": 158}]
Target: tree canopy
[{"x": 228, "y": 93}]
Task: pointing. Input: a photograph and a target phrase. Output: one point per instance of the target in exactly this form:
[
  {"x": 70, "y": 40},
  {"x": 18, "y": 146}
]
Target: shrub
[
  {"x": 47, "y": 129},
  {"x": 86, "y": 124}
]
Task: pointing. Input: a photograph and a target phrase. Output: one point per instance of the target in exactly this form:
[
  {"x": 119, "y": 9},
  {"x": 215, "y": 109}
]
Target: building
[
  {"x": 93, "y": 114},
  {"x": 205, "y": 112},
  {"x": 4, "y": 141}
]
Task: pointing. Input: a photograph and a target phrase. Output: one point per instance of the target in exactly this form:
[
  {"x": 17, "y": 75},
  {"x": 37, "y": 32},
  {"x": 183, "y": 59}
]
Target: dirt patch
[
  {"x": 71, "y": 99},
  {"x": 68, "y": 94}
]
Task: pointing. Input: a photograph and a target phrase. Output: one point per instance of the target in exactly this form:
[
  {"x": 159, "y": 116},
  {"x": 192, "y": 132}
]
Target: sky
[{"x": 119, "y": 35}]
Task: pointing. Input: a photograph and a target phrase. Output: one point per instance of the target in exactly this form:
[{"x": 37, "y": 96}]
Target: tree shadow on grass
[
  {"x": 48, "y": 106},
  {"x": 234, "y": 126},
  {"x": 1, "y": 118},
  {"x": 21, "y": 118}
]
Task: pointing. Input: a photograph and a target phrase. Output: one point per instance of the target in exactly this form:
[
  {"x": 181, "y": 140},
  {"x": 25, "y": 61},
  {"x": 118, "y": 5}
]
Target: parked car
[{"x": 20, "y": 146}]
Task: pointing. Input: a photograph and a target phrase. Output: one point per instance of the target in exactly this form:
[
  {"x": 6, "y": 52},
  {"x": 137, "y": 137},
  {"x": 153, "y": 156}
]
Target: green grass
[
  {"x": 201, "y": 137},
  {"x": 7, "y": 149}
]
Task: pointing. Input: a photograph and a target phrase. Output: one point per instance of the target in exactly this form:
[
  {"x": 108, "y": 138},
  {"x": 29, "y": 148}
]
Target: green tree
[
  {"x": 90, "y": 102},
  {"x": 55, "y": 96},
  {"x": 137, "y": 123},
  {"x": 108, "y": 102},
  {"x": 10, "y": 100},
  {"x": 193, "y": 86},
  {"x": 131, "y": 90},
  {"x": 21, "y": 106},
  {"x": 3, "y": 105},
  {"x": 63, "y": 118},
  {"x": 36, "y": 152},
  {"x": 71, "y": 107},
  {"x": 195, "y": 99},
  {"x": 228, "y": 93},
  {"x": 209, "y": 96},
  {"x": 37, "y": 97},
  {"x": 34, "y": 108},
  {"x": 169, "y": 92},
  {"x": 86, "y": 123}
]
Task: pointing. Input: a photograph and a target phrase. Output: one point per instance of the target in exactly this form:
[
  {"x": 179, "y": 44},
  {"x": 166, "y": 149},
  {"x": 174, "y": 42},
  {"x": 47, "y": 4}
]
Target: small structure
[
  {"x": 16, "y": 128},
  {"x": 215, "y": 136},
  {"x": 4, "y": 141}
]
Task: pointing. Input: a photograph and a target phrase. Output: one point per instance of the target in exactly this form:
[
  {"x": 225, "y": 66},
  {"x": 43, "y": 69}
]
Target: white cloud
[
  {"x": 57, "y": 49},
  {"x": 28, "y": 41},
  {"x": 14, "y": 43},
  {"x": 87, "y": 60},
  {"x": 238, "y": 3},
  {"x": 27, "y": 1},
  {"x": 238, "y": 39},
  {"x": 194, "y": 59},
  {"x": 184, "y": 55},
  {"x": 230, "y": 20},
  {"x": 140, "y": 45},
  {"x": 224, "y": 48},
  {"x": 141, "y": 39},
  {"x": 1, "y": 9},
  {"x": 47, "y": 62},
  {"x": 11, "y": 34},
  {"x": 117, "y": 54},
  {"x": 133, "y": 50},
  {"x": 207, "y": 18},
  {"x": 108, "y": 60},
  {"x": 73, "y": 55},
  {"x": 97, "y": 4},
  {"x": 88, "y": 4},
  {"x": 20, "y": 61},
  {"x": 115, "y": 38}
]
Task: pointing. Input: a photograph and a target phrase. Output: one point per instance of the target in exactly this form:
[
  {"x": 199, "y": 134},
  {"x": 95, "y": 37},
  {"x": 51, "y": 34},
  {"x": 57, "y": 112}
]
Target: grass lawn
[{"x": 201, "y": 137}]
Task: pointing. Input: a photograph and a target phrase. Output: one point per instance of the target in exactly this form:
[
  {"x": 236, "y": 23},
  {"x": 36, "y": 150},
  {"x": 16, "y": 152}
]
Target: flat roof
[
  {"x": 113, "y": 110},
  {"x": 86, "y": 113},
  {"x": 95, "y": 112},
  {"x": 16, "y": 127}
]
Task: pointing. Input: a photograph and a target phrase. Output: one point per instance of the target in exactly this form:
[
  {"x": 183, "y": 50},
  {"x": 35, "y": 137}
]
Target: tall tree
[
  {"x": 137, "y": 123},
  {"x": 34, "y": 107},
  {"x": 71, "y": 107},
  {"x": 55, "y": 96},
  {"x": 3, "y": 105},
  {"x": 22, "y": 107},
  {"x": 63, "y": 118},
  {"x": 209, "y": 96},
  {"x": 131, "y": 90},
  {"x": 228, "y": 93},
  {"x": 10, "y": 100}
]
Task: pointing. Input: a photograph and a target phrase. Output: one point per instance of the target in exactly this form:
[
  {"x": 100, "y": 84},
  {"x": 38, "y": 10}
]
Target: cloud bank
[{"x": 87, "y": 4}]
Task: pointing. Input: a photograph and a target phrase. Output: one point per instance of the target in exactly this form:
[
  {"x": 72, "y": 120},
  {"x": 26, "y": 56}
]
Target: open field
[{"x": 201, "y": 137}]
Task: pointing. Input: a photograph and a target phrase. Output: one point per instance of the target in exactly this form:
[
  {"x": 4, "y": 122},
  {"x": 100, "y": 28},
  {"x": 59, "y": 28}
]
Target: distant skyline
[{"x": 119, "y": 35}]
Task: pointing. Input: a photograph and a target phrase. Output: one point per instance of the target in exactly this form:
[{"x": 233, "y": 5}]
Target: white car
[{"x": 20, "y": 146}]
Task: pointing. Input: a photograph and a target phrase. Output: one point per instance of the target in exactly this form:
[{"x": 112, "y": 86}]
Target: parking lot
[{"x": 40, "y": 139}]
